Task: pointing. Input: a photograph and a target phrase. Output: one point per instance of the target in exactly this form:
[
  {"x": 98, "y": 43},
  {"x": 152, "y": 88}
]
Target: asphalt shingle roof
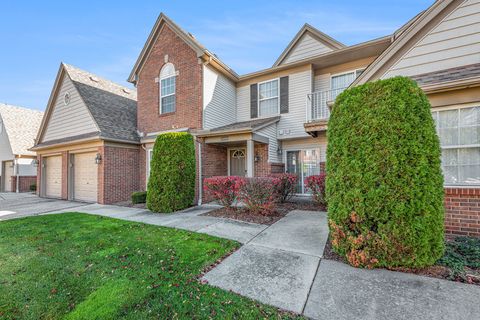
[
  {"x": 251, "y": 124},
  {"x": 113, "y": 107},
  {"x": 21, "y": 125},
  {"x": 446, "y": 75}
]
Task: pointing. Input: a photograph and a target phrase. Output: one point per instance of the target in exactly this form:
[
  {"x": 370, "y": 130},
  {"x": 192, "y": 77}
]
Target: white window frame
[
  {"x": 265, "y": 99},
  {"x": 435, "y": 114},
  {"x": 301, "y": 149},
  {"x": 168, "y": 95},
  {"x": 344, "y": 73}
]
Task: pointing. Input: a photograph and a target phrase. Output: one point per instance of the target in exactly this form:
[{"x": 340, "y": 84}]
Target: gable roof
[
  {"x": 189, "y": 39},
  {"x": 113, "y": 107},
  {"x": 316, "y": 34},
  {"x": 21, "y": 126},
  {"x": 406, "y": 37}
]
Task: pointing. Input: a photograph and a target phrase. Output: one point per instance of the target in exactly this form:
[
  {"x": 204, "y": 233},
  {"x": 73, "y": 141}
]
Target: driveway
[{"x": 16, "y": 205}]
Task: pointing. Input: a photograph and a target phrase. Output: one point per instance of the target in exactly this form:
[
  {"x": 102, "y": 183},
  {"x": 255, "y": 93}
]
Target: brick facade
[
  {"x": 119, "y": 174},
  {"x": 188, "y": 94},
  {"x": 263, "y": 168},
  {"x": 462, "y": 211},
  {"x": 24, "y": 183}
]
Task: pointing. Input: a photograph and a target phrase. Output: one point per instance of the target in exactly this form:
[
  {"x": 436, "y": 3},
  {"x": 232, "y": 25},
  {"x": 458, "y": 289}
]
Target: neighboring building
[
  {"x": 87, "y": 146},
  {"x": 275, "y": 120},
  {"x": 18, "y": 127}
]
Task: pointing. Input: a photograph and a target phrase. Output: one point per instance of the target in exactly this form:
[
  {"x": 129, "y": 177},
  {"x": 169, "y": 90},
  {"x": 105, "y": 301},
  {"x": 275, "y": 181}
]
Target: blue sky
[{"x": 105, "y": 37}]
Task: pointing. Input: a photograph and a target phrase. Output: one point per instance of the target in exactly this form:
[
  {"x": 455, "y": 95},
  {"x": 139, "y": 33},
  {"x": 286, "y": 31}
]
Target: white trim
[
  {"x": 147, "y": 165},
  {"x": 284, "y": 158},
  {"x": 165, "y": 77},
  {"x": 259, "y": 100},
  {"x": 435, "y": 114}
]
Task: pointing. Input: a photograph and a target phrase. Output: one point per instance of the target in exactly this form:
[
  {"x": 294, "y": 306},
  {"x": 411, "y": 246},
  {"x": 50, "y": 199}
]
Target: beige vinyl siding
[
  {"x": 291, "y": 123},
  {"x": 243, "y": 103},
  {"x": 5, "y": 149},
  {"x": 219, "y": 99},
  {"x": 306, "y": 47},
  {"x": 271, "y": 133},
  {"x": 322, "y": 82},
  {"x": 68, "y": 120},
  {"x": 454, "y": 42},
  {"x": 307, "y": 143}
]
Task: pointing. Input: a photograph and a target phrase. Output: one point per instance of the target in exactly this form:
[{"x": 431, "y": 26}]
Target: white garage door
[
  {"x": 85, "y": 177},
  {"x": 53, "y": 177},
  {"x": 8, "y": 176}
]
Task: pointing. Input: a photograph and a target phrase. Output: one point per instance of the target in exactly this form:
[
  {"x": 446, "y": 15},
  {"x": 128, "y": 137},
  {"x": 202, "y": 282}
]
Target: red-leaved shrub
[
  {"x": 260, "y": 194},
  {"x": 287, "y": 186},
  {"x": 316, "y": 185},
  {"x": 223, "y": 189}
]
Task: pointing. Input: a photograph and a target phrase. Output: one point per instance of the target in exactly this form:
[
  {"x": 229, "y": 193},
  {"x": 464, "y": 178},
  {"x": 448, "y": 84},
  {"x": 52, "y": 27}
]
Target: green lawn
[{"x": 78, "y": 266}]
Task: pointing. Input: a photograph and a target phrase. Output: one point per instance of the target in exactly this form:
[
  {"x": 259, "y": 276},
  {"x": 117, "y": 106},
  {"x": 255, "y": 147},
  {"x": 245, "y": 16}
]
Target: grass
[{"x": 77, "y": 266}]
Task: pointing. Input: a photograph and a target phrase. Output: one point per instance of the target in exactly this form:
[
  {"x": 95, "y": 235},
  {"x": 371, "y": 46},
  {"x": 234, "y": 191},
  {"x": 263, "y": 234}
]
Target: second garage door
[
  {"x": 85, "y": 179},
  {"x": 53, "y": 177}
]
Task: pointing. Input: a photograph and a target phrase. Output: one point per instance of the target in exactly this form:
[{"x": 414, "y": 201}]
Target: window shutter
[
  {"x": 253, "y": 101},
  {"x": 284, "y": 94}
]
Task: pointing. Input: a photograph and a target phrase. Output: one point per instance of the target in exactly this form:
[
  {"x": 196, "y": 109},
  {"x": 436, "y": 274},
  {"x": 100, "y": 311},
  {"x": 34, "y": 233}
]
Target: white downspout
[
  {"x": 200, "y": 186},
  {"x": 17, "y": 174}
]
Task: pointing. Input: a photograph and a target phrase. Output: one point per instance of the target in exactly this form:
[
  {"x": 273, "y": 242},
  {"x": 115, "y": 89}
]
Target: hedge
[
  {"x": 171, "y": 185},
  {"x": 139, "y": 197},
  {"x": 384, "y": 180}
]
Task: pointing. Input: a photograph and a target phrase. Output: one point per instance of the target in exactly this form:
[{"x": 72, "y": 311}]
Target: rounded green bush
[
  {"x": 384, "y": 180},
  {"x": 171, "y": 185}
]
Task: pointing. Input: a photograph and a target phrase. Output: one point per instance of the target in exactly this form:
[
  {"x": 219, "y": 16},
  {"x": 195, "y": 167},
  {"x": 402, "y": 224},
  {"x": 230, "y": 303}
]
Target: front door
[
  {"x": 303, "y": 163},
  {"x": 237, "y": 162}
]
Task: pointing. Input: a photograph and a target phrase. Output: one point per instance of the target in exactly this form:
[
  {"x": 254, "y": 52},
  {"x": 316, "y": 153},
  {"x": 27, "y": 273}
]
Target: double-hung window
[
  {"x": 268, "y": 98},
  {"x": 167, "y": 88},
  {"x": 459, "y": 133}
]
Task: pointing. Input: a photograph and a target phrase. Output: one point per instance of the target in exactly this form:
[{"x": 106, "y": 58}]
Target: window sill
[{"x": 166, "y": 114}]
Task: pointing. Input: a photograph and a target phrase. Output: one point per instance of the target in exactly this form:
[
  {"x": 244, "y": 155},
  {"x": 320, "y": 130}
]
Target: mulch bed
[
  {"x": 281, "y": 210},
  {"x": 131, "y": 205},
  {"x": 435, "y": 271}
]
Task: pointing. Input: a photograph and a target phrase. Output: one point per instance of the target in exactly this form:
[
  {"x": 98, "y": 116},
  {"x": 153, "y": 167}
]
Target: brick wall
[
  {"x": 24, "y": 183},
  {"x": 263, "y": 168},
  {"x": 462, "y": 211},
  {"x": 119, "y": 174},
  {"x": 188, "y": 96}
]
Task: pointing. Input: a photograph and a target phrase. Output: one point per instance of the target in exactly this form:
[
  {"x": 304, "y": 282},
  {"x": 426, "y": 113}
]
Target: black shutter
[
  {"x": 284, "y": 94},
  {"x": 253, "y": 100}
]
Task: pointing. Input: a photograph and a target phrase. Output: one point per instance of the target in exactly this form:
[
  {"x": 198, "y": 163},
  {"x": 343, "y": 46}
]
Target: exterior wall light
[
  {"x": 98, "y": 158},
  {"x": 35, "y": 163},
  {"x": 279, "y": 151},
  {"x": 257, "y": 158}
]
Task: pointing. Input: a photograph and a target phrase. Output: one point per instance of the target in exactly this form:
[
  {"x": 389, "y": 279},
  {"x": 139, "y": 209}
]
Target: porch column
[{"x": 250, "y": 157}]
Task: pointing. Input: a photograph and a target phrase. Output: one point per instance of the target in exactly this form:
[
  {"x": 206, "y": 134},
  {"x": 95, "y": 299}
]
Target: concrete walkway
[
  {"x": 283, "y": 267},
  {"x": 189, "y": 219}
]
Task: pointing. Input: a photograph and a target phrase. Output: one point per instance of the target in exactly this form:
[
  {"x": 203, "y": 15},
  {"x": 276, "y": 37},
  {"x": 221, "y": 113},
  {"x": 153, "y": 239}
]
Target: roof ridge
[
  {"x": 4, "y": 104},
  {"x": 88, "y": 78}
]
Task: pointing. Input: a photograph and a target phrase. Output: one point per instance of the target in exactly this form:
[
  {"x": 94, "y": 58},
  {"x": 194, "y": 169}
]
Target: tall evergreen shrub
[
  {"x": 171, "y": 185},
  {"x": 384, "y": 180}
]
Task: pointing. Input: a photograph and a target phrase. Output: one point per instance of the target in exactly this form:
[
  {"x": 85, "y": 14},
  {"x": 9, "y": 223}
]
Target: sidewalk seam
[{"x": 311, "y": 286}]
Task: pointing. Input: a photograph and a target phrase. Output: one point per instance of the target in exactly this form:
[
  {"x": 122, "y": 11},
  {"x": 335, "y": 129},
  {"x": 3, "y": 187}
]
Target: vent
[
  {"x": 94, "y": 79},
  {"x": 126, "y": 91}
]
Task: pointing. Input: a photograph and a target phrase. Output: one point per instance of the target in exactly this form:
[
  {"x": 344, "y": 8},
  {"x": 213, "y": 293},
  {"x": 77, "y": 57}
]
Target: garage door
[
  {"x": 85, "y": 177},
  {"x": 53, "y": 177},
  {"x": 8, "y": 176}
]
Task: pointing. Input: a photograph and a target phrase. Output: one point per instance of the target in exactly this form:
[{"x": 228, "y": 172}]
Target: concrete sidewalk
[
  {"x": 190, "y": 219},
  {"x": 283, "y": 267}
]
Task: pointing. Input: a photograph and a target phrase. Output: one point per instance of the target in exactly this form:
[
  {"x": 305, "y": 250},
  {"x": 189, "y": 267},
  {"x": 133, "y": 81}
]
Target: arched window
[{"x": 167, "y": 88}]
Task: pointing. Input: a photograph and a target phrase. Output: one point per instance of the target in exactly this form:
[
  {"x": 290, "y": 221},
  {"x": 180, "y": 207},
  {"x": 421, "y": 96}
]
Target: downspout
[
  {"x": 17, "y": 174},
  {"x": 200, "y": 186}
]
